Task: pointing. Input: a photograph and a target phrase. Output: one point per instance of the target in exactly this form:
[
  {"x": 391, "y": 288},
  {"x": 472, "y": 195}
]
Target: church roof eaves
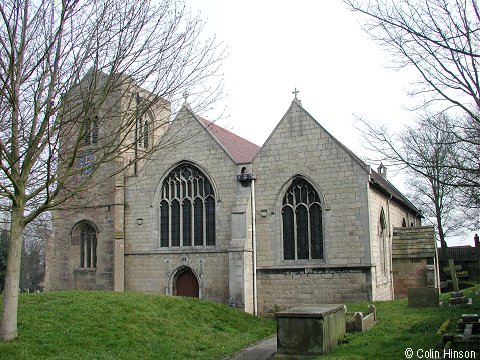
[{"x": 386, "y": 187}]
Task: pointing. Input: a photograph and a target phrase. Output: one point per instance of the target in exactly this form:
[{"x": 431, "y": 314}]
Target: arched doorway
[{"x": 187, "y": 284}]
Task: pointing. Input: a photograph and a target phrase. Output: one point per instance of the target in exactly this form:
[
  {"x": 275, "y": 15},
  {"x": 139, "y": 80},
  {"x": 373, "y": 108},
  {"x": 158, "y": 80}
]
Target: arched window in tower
[
  {"x": 90, "y": 131},
  {"x": 187, "y": 208},
  {"x": 302, "y": 222},
  {"x": 95, "y": 130},
  {"x": 84, "y": 235}
]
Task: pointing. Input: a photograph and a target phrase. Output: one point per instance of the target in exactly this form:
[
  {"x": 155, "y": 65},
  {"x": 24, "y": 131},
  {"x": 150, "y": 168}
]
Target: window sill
[
  {"x": 302, "y": 262},
  {"x": 179, "y": 250},
  {"x": 85, "y": 270}
]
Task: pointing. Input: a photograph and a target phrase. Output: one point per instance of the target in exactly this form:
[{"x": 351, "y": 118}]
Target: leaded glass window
[
  {"x": 302, "y": 222},
  {"x": 187, "y": 208}
]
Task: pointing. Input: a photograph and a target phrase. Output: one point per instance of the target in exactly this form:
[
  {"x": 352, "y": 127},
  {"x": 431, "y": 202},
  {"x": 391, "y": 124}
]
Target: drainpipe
[
  {"x": 137, "y": 110},
  {"x": 390, "y": 236},
  {"x": 254, "y": 244}
]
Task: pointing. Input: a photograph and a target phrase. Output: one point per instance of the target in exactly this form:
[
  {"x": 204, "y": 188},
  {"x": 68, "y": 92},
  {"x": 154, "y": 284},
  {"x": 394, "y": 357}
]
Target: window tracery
[
  {"x": 187, "y": 208},
  {"x": 302, "y": 222}
]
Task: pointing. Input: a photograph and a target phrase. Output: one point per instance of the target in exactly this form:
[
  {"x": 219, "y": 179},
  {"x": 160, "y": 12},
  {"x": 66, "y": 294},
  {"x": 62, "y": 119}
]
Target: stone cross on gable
[
  {"x": 452, "y": 269},
  {"x": 295, "y": 92},
  {"x": 185, "y": 96}
]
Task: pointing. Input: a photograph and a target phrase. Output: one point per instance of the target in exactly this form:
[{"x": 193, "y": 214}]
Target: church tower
[{"x": 110, "y": 125}]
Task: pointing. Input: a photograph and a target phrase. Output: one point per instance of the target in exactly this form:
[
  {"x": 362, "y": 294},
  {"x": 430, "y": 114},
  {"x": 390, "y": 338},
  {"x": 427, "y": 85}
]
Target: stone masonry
[{"x": 359, "y": 209}]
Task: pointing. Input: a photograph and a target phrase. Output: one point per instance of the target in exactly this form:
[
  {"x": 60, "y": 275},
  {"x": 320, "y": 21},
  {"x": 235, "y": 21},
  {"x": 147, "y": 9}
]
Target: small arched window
[
  {"x": 302, "y": 222},
  {"x": 187, "y": 208},
  {"x": 85, "y": 235},
  {"x": 90, "y": 131}
]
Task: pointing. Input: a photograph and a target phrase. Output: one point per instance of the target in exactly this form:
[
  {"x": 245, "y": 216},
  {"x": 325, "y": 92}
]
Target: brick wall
[{"x": 413, "y": 249}]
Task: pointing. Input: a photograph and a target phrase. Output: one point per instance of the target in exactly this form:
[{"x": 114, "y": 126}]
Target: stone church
[{"x": 299, "y": 220}]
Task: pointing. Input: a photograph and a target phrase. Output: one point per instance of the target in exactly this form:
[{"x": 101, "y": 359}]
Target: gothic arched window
[
  {"x": 302, "y": 222},
  {"x": 187, "y": 208},
  {"x": 85, "y": 235},
  {"x": 383, "y": 242}
]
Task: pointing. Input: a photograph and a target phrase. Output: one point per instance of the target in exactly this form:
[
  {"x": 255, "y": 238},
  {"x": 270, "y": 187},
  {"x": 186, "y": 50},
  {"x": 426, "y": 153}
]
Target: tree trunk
[
  {"x": 8, "y": 327},
  {"x": 441, "y": 233}
]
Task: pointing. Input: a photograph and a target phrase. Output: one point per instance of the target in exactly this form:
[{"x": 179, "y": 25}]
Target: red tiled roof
[{"x": 240, "y": 150}]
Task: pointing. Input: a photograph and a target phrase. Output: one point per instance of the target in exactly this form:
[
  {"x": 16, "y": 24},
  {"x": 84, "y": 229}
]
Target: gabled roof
[
  {"x": 376, "y": 180},
  {"x": 239, "y": 149}
]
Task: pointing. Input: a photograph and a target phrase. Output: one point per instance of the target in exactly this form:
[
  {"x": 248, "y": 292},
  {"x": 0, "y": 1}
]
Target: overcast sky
[{"x": 317, "y": 47}]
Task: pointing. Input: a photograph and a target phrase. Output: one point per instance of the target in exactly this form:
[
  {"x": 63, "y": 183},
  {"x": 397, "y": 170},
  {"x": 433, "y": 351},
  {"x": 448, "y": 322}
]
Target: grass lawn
[
  {"x": 108, "y": 325},
  {"x": 400, "y": 327}
]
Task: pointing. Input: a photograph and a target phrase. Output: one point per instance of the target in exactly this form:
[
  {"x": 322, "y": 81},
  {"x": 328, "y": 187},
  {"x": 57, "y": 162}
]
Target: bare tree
[
  {"x": 429, "y": 151},
  {"x": 59, "y": 64},
  {"x": 438, "y": 38}
]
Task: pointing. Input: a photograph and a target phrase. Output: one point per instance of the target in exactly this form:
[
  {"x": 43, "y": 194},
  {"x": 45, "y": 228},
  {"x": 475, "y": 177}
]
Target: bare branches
[
  {"x": 438, "y": 167},
  {"x": 439, "y": 38},
  {"x": 67, "y": 64}
]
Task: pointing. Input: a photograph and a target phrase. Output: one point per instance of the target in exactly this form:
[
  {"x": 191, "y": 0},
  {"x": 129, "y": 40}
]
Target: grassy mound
[{"x": 108, "y": 325}]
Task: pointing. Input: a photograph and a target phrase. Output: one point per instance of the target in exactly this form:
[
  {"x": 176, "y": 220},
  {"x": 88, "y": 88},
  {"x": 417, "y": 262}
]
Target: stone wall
[
  {"x": 100, "y": 199},
  {"x": 381, "y": 248},
  {"x": 281, "y": 289},
  {"x": 155, "y": 273},
  {"x": 300, "y": 146},
  {"x": 409, "y": 273},
  {"x": 63, "y": 255},
  {"x": 145, "y": 260}
]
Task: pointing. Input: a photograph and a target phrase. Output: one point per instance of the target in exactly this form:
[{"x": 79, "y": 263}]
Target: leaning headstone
[
  {"x": 423, "y": 297},
  {"x": 452, "y": 269}
]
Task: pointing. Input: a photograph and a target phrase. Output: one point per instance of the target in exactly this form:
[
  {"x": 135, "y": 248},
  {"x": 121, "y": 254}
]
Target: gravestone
[
  {"x": 309, "y": 330},
  {"x": 423, "y": 297},
  {"x": 361, "y": 321},
  {"x": 457, "y": 297},
  {"x": 452, "y": 269}
]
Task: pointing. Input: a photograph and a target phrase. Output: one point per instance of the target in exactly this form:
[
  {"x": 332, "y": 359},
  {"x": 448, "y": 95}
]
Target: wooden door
[{"x": 187, "y": 284}]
